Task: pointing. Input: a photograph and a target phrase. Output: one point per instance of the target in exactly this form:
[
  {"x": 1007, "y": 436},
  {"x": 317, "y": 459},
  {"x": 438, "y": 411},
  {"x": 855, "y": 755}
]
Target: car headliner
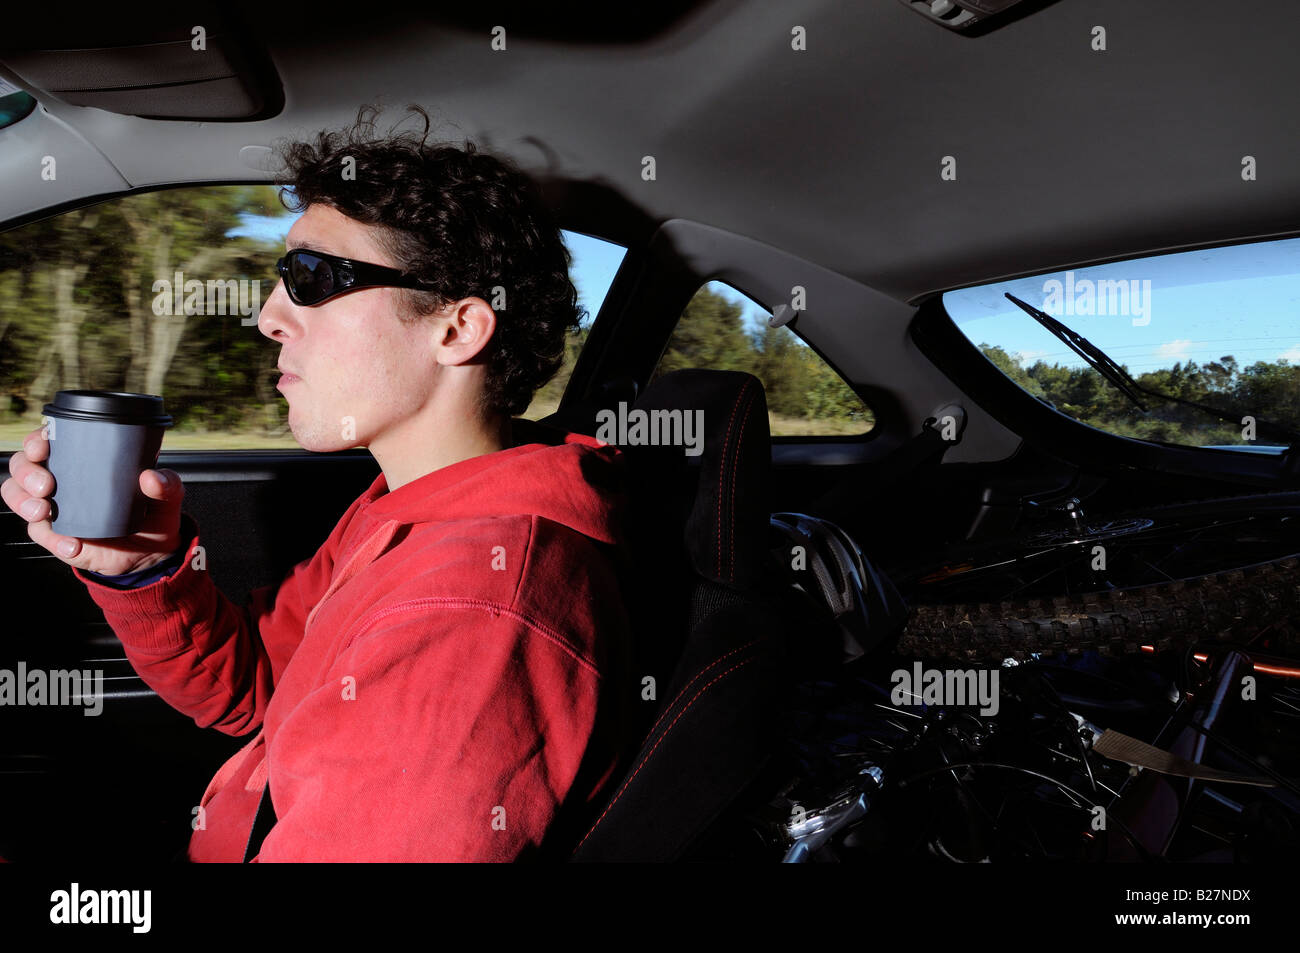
[{"x": 1064, "y": 154}]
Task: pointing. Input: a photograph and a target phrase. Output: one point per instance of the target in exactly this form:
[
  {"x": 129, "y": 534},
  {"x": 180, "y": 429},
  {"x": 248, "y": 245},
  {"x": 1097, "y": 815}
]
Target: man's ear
[{"x": 463, "y": 330}]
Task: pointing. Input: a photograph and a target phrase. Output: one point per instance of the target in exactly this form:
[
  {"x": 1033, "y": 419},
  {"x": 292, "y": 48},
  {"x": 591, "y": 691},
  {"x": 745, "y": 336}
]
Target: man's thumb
[{"x": 164, "y": 485}]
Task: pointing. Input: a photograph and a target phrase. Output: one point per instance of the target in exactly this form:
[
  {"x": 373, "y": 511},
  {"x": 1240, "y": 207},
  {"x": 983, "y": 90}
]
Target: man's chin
[{"x": 320, "y": 443}]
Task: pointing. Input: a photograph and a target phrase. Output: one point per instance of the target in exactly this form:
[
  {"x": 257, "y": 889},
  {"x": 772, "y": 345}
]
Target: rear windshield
[{"x": 1215, "y": 326}]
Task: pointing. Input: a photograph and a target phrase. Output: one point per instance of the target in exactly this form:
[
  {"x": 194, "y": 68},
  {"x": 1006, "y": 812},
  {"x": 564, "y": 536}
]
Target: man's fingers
[
  {"x": 33, "y": 477},
  {"x": 36, "y": 445},
  {"x": 22, "y": 502},
  {"x": 41, "y": 533},
  {"x": 17, "y": 462}
]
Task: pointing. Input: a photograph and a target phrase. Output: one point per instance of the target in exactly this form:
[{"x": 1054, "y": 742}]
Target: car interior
[{"x": 847, "y": 169}]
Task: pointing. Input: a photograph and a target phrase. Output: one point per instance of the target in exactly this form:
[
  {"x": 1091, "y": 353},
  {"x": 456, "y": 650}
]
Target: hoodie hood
[{"x": 578, "y": 483}]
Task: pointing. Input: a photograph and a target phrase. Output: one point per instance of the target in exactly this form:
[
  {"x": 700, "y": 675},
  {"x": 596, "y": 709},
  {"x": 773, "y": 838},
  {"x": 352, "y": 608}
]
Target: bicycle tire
[{"x": 1228, "y": 606}]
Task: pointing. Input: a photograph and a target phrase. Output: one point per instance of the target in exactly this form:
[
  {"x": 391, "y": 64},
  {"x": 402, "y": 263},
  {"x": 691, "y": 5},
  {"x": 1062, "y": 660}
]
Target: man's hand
[{"x": 30, "y": 483}]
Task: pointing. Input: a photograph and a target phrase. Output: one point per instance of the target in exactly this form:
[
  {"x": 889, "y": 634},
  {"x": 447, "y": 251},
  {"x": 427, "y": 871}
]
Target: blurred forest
[
  {"x": 77, "y": 307},
  {"x": 1268, "y": 390},
  {"x": 799, "y": 384},
  {"x": 804, "y": 396}
]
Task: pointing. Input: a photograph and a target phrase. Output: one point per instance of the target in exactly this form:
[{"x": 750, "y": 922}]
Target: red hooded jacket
[{"x": 425, "y": 687}]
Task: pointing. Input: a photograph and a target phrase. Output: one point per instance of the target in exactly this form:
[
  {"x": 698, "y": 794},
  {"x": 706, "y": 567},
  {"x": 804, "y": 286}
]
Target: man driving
[{"x": 440, "y": 680}]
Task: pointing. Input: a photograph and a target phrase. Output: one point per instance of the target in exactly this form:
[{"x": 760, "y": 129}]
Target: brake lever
[{"x": 813, "y": 829}]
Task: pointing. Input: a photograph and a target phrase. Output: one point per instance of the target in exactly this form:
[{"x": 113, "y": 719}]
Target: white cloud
[
  {"x": 1292, "y": 355},
  {"x": 1028, "y": 357},
  {"x": 1178, "y": 350}
]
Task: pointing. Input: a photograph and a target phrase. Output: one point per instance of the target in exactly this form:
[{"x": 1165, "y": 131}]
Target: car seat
[{"x": 710, "y": 623}]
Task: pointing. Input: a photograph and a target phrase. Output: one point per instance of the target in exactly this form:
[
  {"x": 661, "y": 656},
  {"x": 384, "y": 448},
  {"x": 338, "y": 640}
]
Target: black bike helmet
[{"x": 862, "y": 601}]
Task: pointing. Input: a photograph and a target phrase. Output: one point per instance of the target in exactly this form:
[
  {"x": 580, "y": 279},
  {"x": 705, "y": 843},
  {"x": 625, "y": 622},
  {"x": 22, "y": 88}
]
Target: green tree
[
  {"x": 1269, "y": 390},
  {"x": 1011, "y": 366},
  {"x": 709, "y": 334},
  {"x": 77, "y": 297}
]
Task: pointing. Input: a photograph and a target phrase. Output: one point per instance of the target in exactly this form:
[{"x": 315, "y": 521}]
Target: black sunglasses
[{"x": 311, "y": 277}]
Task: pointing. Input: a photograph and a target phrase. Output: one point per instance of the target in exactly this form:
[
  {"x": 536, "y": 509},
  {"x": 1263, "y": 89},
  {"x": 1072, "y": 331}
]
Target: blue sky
[{"x": 1242, "y": 300}]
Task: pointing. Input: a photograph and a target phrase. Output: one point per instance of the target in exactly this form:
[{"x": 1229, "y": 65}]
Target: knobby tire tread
[{"x": 1230, "y": 606}]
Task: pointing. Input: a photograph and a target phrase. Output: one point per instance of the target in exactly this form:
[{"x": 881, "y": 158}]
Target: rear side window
[
  {"x": 725, "y": 330},
  {"x": 1216, "y": 327}
]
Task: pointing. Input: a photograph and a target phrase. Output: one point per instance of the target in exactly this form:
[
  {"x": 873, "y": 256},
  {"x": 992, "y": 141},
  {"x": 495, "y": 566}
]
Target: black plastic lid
[{"x": 110, "y": 407}]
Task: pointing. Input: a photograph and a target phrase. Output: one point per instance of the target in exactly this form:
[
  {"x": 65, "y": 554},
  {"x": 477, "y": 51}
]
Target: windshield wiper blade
[
  {"x": 1092, "y": 355},
  {"x": 1102, "y": 363}
]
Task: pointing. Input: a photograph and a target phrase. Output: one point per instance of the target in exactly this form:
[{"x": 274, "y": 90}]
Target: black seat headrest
[
  {"x": 727, "y": 524},
  {"x": 718, "y": 496}
]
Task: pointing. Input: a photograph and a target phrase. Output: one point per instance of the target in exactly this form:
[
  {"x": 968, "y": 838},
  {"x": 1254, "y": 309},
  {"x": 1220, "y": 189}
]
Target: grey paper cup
[{"x": 100, "y": 441}]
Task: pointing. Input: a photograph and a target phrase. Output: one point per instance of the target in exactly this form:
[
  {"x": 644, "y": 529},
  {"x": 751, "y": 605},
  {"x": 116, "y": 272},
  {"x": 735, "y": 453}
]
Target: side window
[
  {"x": 1213, "y": 327},
  {"x": 159, "y": 293},
  {"x": 593, "y": 263},
  {"x": 155, "y": 293},
  {"x": 723, "y": 329}
]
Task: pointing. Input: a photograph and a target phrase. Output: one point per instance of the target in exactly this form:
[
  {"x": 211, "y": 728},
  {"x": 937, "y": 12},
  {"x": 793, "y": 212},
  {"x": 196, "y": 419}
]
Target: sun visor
[
  {"x": 975, "y": 17},
  {"x": 175, "y": 64}
]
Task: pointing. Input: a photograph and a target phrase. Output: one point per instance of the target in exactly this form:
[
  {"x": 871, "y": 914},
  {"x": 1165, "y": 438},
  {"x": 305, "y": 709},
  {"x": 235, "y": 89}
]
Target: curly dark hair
[{"x": 469, "y": 223}]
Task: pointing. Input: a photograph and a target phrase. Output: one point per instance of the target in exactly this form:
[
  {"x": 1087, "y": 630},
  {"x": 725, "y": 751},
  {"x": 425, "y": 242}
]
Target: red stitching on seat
[
  {"x": 651, "y": 752},
  {"x": 726, "y": 442},
  {"x": 752, "y": 394},
  {"x": 694, "y": 678}
]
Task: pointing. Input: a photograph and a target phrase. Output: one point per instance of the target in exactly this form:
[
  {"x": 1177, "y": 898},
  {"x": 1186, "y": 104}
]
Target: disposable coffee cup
[{"x": 100, "y": 441}]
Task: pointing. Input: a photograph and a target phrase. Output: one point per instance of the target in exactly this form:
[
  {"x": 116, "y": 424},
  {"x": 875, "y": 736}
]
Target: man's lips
[{"x": 286, "y": 378}]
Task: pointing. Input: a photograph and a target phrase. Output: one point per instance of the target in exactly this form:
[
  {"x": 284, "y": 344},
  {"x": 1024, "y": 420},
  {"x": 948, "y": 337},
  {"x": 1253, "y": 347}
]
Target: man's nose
[{"x": 275, "y": 320}]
